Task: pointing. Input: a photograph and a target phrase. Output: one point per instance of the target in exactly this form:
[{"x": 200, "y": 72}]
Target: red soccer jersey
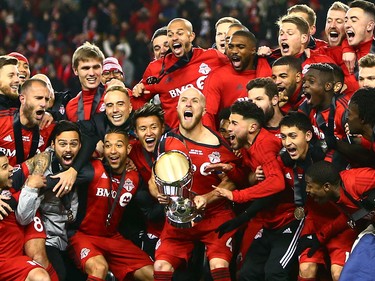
[
  {"x": 7, "y": 139},
  {"x": 321, "y": 118},
  {"x": 11, "y": 234},
  {"x": 202, "y": 155},
  {"x": 142, "y": 159},
  {"x": 263, "y": 152},
  {"x": 275, "y": 131},
  {"x": 357, "y": 182},
  {"x": 317, "y": 119},
  {"x": 100, "y": 197},
  {"x": 88, "y": 100},
  {"x": 361, "y": 50},
  {"x": 294, "y": 101},
  {"x": 225, "y": 85},
  {"x": 315, "y": 57},
  {"x": 192, "y": 74},
  {"x": 319, "y": 43},
  {"x": 336, "y": 54},
  {"x": 282, "y": 210},
  {"x": 315, "y": 212},
  {"x": 369, "y": 145}
]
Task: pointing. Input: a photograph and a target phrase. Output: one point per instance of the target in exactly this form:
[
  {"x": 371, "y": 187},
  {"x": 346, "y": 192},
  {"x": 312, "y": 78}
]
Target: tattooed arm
[
  {"x": 30, "y": 199},
  {"x": 38, "y": 164}
]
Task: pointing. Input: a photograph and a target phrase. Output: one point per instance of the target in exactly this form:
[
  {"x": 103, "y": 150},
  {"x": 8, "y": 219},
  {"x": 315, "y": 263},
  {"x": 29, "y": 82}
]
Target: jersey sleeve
[
  {"x": 28, "y": 204},
  {"x": 272, "y": 184},
  {"x": 266, "y": 155},
  {"x": 212, "y": 92}
]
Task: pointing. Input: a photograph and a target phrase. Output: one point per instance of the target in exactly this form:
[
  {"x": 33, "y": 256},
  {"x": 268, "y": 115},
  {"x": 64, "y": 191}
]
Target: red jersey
[
  {"x": 325, "y": 212},
  {"x": 192, "y": 74},
  {"x": 319, "y": 118},
  {"x": 315, "y": 57},
  {"x": 225, "y": 85},
  {"x": 357, "y": 182},
  {"x": 202, "y": 155},
  {"x": 282, "y": 211},
  {"x": 361, "y": 50},
  {"x": 316, "y": 43},
  {"x": 294, "y": 101},
  {"x": 142, "y": 159},
  {"x": 263, "y": 152},
  {"x": 88, "y": 99},
  {"x": 275, "y": 131},
  {"x": 369, "y": 145},
  {"x": 7, "y": 138},
  {"x": 349, "y": 80},
  {"x": 11, "y": 234},
  {"x": 100, "y": 196}
]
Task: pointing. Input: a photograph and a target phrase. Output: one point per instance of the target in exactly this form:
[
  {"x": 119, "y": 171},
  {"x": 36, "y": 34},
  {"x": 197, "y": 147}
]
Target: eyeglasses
[{"x": 115, "y": 73}]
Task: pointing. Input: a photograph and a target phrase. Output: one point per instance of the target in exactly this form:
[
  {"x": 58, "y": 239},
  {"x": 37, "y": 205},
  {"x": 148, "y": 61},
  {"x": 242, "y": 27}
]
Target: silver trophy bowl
[{"x": 173, "y": 177}]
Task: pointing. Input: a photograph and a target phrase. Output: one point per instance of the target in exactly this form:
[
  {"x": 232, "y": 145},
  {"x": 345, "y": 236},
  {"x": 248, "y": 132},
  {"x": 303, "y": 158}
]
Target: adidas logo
[
  {"x": 287, "y": 231},
  {"x": 104, "y": 176},
  {"x": 8, "y": 138},
  {"x": 288, "y": 176}
]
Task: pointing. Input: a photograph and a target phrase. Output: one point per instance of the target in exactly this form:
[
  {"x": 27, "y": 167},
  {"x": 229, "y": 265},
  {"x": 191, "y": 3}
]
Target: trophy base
[{"x": 181, "y": 213}]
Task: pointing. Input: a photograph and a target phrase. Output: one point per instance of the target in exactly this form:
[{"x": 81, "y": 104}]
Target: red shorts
[
  {"x": 17, "y": 268},
  {"x": 176, "y": 244},
  {"x": 35, "y": 229},
  {"x": 122, "y": 256},
  {"x": 337, "y": 248}
]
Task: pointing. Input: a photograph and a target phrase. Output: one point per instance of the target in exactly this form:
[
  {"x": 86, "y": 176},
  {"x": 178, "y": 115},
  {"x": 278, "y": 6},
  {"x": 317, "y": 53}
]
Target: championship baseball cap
[
  {"x": 110, "y": 64},
  {"x": 19, "y": 56}
]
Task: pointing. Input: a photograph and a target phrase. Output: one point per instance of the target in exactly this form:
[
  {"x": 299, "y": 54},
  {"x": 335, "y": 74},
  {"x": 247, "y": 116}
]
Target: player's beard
[
  {"x": 268, "y": 114},
  {"x": 7, "y": 91},
  {"x": 192, "y": 124},
  {"x": 292, "y": 89},
  {"x": 240, "y": 141},
  {"x": 28, "y": 112}
]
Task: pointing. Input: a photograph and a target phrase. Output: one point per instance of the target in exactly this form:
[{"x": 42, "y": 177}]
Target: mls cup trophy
[{"x": 173, "y": 176}]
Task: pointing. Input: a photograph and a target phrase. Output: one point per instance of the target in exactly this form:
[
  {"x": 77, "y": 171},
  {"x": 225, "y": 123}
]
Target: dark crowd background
[{"x": 48, "y": 31}]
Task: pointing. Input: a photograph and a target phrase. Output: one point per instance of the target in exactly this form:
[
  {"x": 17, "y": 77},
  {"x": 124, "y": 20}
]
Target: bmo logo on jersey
[
  {"x": 124, "y": 198},
  {"x": 199, "y": 85},
  {"x": 8, "y": 152}
]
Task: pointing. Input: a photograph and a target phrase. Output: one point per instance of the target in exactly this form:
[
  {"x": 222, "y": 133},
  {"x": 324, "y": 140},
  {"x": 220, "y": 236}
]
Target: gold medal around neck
[{"x": 299, "y": 213}]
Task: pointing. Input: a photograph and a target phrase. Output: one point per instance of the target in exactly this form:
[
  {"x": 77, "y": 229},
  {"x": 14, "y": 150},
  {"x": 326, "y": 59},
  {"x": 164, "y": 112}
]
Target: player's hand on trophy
[
  {"x": 200, "y": 202},
  {"x": 223, "y": 192},
  {"x": 163, "y": 199},
  {"x": 152, "y": 186}
]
